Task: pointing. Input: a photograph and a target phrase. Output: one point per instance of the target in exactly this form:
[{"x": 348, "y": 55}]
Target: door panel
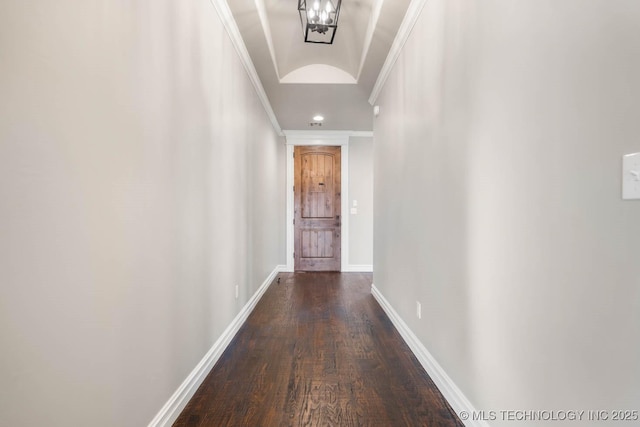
[
  {"x": 317, "y": 208},
  {"x": 317, "y": 243}
]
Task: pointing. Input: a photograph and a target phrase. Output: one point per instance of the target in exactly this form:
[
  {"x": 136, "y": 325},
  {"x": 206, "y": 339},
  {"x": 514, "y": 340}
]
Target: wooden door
[{"x": 317, "y": 208}]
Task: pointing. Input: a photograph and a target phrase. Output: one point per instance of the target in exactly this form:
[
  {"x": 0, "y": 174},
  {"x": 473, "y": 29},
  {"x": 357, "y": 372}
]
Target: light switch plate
[
  {"x": 631, "y": 176},
  {"x": 354, "y": 211}
]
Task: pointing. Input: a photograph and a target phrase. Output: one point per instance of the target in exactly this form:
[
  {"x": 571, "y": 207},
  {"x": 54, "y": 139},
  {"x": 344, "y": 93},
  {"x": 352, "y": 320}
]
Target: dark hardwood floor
[{"x": 318, "y": 351}]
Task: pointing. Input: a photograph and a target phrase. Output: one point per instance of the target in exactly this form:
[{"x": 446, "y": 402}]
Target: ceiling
[{"x": 301, "y": 79}]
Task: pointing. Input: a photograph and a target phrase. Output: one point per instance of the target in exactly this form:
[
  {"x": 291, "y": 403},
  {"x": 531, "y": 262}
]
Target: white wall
[
  {"x": 139, "y": 183},
  {"x": 497, "y": 199},
  {"x": 361, "y": 190}
]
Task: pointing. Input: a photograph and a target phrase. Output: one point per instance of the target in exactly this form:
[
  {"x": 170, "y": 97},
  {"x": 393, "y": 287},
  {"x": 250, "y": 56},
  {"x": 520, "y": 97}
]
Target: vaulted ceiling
[{"x": 302, "y": 79}]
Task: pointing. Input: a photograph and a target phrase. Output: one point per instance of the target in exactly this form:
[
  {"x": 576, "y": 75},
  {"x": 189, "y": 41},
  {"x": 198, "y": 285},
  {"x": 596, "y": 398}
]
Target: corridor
[
  {"x": 318, "y": 350},
  {"x": 148, "y": 201}
]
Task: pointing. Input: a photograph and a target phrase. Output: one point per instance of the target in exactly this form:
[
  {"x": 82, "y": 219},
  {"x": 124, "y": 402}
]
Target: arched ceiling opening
[
  {"x": 318, "y": 74},
  {"x": 303, "y": 79}
]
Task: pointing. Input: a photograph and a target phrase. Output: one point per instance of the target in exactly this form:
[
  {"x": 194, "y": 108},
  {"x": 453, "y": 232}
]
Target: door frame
[{"x": 326, "y": 138}]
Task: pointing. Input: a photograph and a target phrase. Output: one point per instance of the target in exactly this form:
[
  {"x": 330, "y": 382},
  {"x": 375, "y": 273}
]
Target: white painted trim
[
  {"x": 290, "y": 202},
  {"x": 318, "y": 140},
  {"x": 222, "y": 8},
  {"x": 408, "y": 22},
  {"x": 362, "y": 133},
  {"x": 344, "y": 206},
  {"x": 368, "y": 38},
  {"x": 449, "y": 390},
  {"x": 324, "y": 134},
  {"x": 177, "y": 402},
  {"x": 266, "y": 28},
  {"x": 358, "y": 268},
  {"x": 344, "y": 197}
]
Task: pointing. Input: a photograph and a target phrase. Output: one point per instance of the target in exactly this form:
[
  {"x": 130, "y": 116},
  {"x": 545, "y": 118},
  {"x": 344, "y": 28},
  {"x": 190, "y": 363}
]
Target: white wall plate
[{"x": 631, "y": 176}]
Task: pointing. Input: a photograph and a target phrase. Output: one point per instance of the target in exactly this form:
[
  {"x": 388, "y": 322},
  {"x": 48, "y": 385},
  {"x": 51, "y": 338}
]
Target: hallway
[
  {"x": 147, "y": 202},
  {"x": 318, "y": 350}
]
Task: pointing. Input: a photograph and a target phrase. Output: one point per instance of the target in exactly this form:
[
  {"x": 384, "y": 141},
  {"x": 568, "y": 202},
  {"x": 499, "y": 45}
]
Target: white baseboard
[
  {"x": 458, "y": 401},
  {"x": 174, "y": 406},
  {"x": 358, "y": 268}
]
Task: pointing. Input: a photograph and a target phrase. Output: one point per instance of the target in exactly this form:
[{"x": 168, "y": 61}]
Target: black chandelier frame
[{"x": 314, "y": 28}]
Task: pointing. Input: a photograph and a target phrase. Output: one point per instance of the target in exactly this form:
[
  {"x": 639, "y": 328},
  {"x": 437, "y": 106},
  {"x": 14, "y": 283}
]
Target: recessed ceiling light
[{"x": 318, "y": 118}]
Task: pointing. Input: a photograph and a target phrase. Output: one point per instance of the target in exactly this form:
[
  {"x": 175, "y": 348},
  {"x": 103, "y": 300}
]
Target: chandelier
[{"x": 320, "y": 22}]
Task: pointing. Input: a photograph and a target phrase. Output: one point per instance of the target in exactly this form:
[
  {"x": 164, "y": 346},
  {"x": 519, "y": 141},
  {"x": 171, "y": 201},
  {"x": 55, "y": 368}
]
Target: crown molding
[
  {"x": 222, "y": 8},
  {"x": 266, "y": 28},
  {"x": 368, "y": 38},
  {"x": 408, "y": 22}
]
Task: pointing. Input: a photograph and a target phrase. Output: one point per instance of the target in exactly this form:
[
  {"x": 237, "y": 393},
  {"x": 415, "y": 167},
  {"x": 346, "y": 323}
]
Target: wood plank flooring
[{"x": 318, "y": 351}]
